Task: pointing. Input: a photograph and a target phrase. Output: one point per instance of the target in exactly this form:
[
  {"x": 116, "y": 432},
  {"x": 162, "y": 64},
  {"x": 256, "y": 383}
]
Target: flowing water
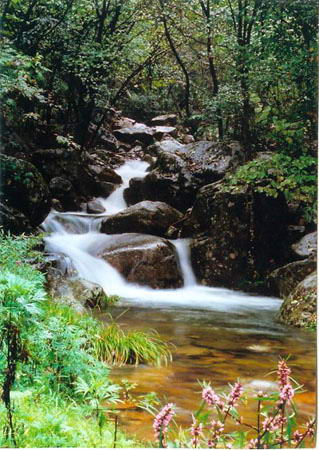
[{"x": 217, "y": 335}]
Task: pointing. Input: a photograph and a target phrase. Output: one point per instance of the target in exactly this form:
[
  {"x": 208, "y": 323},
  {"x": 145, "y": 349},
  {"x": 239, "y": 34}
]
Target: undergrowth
[
  {"x": 280, "y": 173},
  {"x": 54, "y": 362}
]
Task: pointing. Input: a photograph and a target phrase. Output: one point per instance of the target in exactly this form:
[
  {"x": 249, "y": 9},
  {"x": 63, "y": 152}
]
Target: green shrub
[{"x": 294, "y": 177}]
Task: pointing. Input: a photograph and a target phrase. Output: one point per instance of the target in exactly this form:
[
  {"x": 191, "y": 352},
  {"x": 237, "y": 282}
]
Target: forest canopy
[{"x": 241, "y": 69}]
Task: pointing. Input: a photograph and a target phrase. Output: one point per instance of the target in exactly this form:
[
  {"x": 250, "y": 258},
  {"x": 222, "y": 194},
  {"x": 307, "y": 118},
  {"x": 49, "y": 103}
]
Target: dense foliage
[{"x": 245, "y": 69}]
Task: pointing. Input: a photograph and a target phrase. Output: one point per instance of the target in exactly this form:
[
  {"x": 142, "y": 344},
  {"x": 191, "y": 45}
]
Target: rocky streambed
[{"x": 146, "y": 216}]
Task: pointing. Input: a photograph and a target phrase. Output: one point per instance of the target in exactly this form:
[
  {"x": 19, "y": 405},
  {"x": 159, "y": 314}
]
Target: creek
[{"x": 217, "y": 335}]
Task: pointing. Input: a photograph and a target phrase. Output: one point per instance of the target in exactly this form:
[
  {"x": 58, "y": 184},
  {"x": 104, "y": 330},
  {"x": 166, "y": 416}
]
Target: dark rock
[
  {"x": 95, "y": 207},
  {"x": 180, "y": 170},
  {"x": 164, "y": 120},
  {"x": 107, "y": 188},
  {"x": 104, "y": 174},
  {"x": 63, "y": 191},
  {"x": 144, "y": 217},
  {"x": 60, "y": 187},
  {"x": 300, "y": 307},
  {"x": 24, "y": 195},
  {"x": 86, "y": 172},
  {"x": 242, "y": 236},
  {"x": 306, "y": 246},
  {"x": 104, "y": 139},
  {"x": 13, "y": 220},
  {"x": 284, "y": 280},
  {"x": 143, "y": 259},
  {"x": 138, "y": 132}
]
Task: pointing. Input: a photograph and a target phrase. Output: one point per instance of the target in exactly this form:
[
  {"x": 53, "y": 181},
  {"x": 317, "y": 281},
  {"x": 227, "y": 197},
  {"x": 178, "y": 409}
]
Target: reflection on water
[{"x": 219, "y": 347}]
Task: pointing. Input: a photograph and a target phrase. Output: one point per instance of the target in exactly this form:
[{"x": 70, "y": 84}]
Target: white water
[
  {"x": 131, "y": 169},
  {"x": 77, "y": 236}
]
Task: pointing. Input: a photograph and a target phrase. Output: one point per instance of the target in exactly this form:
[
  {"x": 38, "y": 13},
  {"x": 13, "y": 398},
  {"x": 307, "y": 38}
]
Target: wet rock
[
  {"x": 284, "y": 280},
  {"x": 160, "y": 132},
  {"x": 136, "y": 133},
  {"x": 306, "y": 246},
  {"x": 164, "y": 120},
  {"x": 107, "y": 188},
  {"x": 144, "y": 217},
  {"x": 95, "y": 207},
  {"x": 180, "y": 171},
  {"x": 144, "y": 259},
  {"x": 300, "y": 307},
  {"x": 24, "y": 195},
  {"x": 104, "y": 174},
  {"x": 241, "y": 236}
]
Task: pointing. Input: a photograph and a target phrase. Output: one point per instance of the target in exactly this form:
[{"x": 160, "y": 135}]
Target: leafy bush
[{"x": 280, "y": 173}]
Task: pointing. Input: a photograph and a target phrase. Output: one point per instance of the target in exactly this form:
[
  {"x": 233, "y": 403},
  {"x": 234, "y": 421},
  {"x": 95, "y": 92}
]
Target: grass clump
[{"x": 116, "y": 346}]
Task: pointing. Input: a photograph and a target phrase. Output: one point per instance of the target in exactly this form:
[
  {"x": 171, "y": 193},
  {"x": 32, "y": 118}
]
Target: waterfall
[
  {"x": 131, "y": 169},
  {"x": 76, "y": 235},
  {"x": 182, "y": 248}
]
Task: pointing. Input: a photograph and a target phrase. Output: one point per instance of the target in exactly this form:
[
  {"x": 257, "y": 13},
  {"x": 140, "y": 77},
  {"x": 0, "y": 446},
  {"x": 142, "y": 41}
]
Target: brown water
[{"x": 217, "y": 346}]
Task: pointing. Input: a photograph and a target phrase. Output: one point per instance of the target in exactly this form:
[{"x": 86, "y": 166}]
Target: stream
[{"x": 217, "y": 335}]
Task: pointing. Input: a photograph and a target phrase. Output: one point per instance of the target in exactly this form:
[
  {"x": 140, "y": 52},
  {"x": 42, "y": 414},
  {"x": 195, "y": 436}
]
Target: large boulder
[
  {"x": 300, "y": 307},
  {"x": 181, "y": 170},
  {"x": 240, "y": 236},
  {"x": 144, "y": 217},
  {"x": 143, "y": 259},
  {"x": 24, "y": 195},
  {"x": 165, "y": 120},
  {"x": 138, "y": 132},
  {"x": 161, "y": 132},
  {"x": 284, "y": 280},
  {"x": 306, "y": 245}
]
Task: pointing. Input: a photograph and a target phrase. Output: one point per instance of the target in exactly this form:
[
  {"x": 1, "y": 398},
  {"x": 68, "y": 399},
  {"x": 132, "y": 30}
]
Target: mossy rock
[
  {"x": 300, "y": 307},
  {"x": 24, "y": 193}
]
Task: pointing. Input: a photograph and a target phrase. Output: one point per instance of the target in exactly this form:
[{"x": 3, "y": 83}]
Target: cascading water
[
  {"x": 77, "y": 236},
  {"x": 218, "y": 334}
]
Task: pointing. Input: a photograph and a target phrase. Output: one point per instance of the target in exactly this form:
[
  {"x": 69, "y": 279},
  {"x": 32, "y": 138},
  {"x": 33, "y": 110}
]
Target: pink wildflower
[
  {"x": 252, "y": 443},
  {"x": 210, "y": 397},
  {"x": 283, "y": 373},
  {"x": 310, "y": 429},
  {"x": 286, "y": 393},
  {"x": 297, "y": 436},
  {"x": 273, "y": 423},
  {"x": 211, "y": 443},
  {"x": 235, "y": 394},
  {"x": 217, "y": 428},
  {"x": 196, "y": 431},
  {"x": 161, "y": 422}
]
